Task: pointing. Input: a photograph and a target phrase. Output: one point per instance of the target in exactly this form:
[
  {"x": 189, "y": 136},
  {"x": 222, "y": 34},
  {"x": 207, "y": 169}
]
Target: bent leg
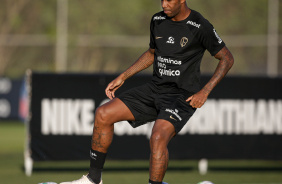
[
  {"x": 105, "y": 117},
  {"x": 162, "y": 133}
]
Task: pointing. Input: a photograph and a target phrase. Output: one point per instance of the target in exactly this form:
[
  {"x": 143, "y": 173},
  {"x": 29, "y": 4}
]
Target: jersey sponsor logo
[
  {"x": 218, "y": 38},
  {"x": 159, "y": 18},
  {"x": 169, "y": 72},
  {"x": 162, "y": 65},
  {"x": 169, "y": 60},
  {"x": 193, "y": 24},
  {"x": 183, "y": 41},
  {"x": 170, "y": 40}
]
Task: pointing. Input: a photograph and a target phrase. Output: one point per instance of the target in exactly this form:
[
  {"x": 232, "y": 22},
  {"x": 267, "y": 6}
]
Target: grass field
[{"x": 12, "y": 136}]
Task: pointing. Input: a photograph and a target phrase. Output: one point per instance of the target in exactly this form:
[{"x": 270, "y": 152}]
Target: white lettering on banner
[
  {"x": 231, "y": 117},
  {"x": 67, "y": 116},
  {"x": 237, "y": 117}
]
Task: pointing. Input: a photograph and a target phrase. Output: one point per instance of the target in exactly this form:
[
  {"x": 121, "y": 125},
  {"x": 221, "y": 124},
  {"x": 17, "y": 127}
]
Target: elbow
[{"x": 231, "y": 61}]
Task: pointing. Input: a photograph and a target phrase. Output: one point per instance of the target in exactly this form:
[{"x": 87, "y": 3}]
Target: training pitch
[{"x": 12, "y": 139}]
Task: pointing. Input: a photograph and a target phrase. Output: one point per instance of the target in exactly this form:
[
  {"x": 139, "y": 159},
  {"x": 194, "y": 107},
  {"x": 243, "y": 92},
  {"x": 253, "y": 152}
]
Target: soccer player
[{"x": 179, "y": 37}]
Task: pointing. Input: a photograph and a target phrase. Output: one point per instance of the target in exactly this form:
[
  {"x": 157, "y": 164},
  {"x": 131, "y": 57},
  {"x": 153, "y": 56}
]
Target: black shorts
[{"x": 150, "y": 102}]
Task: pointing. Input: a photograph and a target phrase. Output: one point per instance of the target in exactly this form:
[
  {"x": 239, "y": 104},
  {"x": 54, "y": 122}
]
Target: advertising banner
[
  {"x": 242, "y": 119},
  {"x": 9, "y": 98}
]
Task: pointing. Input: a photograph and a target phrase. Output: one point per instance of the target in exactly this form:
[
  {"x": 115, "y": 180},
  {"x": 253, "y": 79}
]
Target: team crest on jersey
[
  {"x": 183, "y": 41},
  {"x": 170, "y": 40}
]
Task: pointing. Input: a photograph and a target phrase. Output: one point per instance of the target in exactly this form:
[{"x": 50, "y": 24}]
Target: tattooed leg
[
  {"x": 162, "y": 133},
  {"x": 158, "y": 164},
  {"x": 102, "y": 136},
  {"x": 105, "y": 117}
]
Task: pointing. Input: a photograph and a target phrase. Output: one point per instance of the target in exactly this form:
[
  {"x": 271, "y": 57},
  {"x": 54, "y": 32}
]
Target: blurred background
[{"x": 106, "y": 37}]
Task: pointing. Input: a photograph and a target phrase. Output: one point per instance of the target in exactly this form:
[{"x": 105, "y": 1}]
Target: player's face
[{"x": 171, "y": 7}]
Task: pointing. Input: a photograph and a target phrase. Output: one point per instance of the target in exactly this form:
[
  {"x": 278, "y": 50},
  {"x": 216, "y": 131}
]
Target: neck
[{"x": 183, "y": 13}]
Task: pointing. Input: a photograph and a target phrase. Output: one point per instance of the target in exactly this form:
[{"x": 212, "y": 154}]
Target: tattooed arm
[
  {"x": 226, "y": 61},
  {"x": 143, "y": 62}
]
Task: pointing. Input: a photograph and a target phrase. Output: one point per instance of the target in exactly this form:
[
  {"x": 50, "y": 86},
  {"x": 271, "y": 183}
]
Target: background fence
[{"x": 108, "y": 36}]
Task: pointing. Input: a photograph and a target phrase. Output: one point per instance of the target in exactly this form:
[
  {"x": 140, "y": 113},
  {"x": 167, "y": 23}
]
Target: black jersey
[{"x": 179, "y": 48}]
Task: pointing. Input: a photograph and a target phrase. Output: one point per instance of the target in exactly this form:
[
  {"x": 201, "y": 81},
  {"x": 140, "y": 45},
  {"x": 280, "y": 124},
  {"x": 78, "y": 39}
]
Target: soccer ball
[{"x": 205, "y": 182}]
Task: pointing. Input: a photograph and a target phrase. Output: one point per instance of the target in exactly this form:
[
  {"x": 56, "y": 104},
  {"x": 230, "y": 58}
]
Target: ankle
[
  {"x": 95, "y": 175},
  {"x": 155, "y": 182}
]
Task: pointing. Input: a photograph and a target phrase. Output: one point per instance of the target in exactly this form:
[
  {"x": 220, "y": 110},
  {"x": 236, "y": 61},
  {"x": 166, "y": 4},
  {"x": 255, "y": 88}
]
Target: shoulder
[
  {"x": 159, "y": 17},
  {"x": 197, "y": 20},
  {"x": 205, "y": 32}
]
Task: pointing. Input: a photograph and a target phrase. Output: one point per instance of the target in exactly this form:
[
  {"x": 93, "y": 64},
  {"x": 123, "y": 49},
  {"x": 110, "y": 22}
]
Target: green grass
[{"x": 12, "y": 137}]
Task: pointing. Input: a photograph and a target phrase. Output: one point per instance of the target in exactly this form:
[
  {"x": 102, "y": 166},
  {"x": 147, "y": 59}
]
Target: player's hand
[
  {"x": 113, "y": 86},
  {"x": 197, "y": 100}
]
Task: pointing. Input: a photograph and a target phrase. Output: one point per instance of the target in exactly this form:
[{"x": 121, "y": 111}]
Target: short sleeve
[
  {"x": 152, "y": 37},
  {"x": 210, "y": 39}
]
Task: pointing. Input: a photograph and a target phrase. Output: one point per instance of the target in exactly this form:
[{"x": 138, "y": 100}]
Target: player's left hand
[
  {"x": 197, "y": 100},
  {"x": 113, "y": 86}
]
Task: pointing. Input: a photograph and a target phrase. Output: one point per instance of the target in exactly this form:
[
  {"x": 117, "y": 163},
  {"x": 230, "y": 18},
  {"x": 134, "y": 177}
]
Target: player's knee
[
  {"x": 101, "y": 115},
  {"x": 157, "y": 139}
]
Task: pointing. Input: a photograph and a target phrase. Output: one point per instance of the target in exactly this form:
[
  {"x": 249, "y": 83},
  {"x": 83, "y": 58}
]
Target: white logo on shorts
[
  {"x": 171, "y": 117},
  {"x": 174, "y": 112}
]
